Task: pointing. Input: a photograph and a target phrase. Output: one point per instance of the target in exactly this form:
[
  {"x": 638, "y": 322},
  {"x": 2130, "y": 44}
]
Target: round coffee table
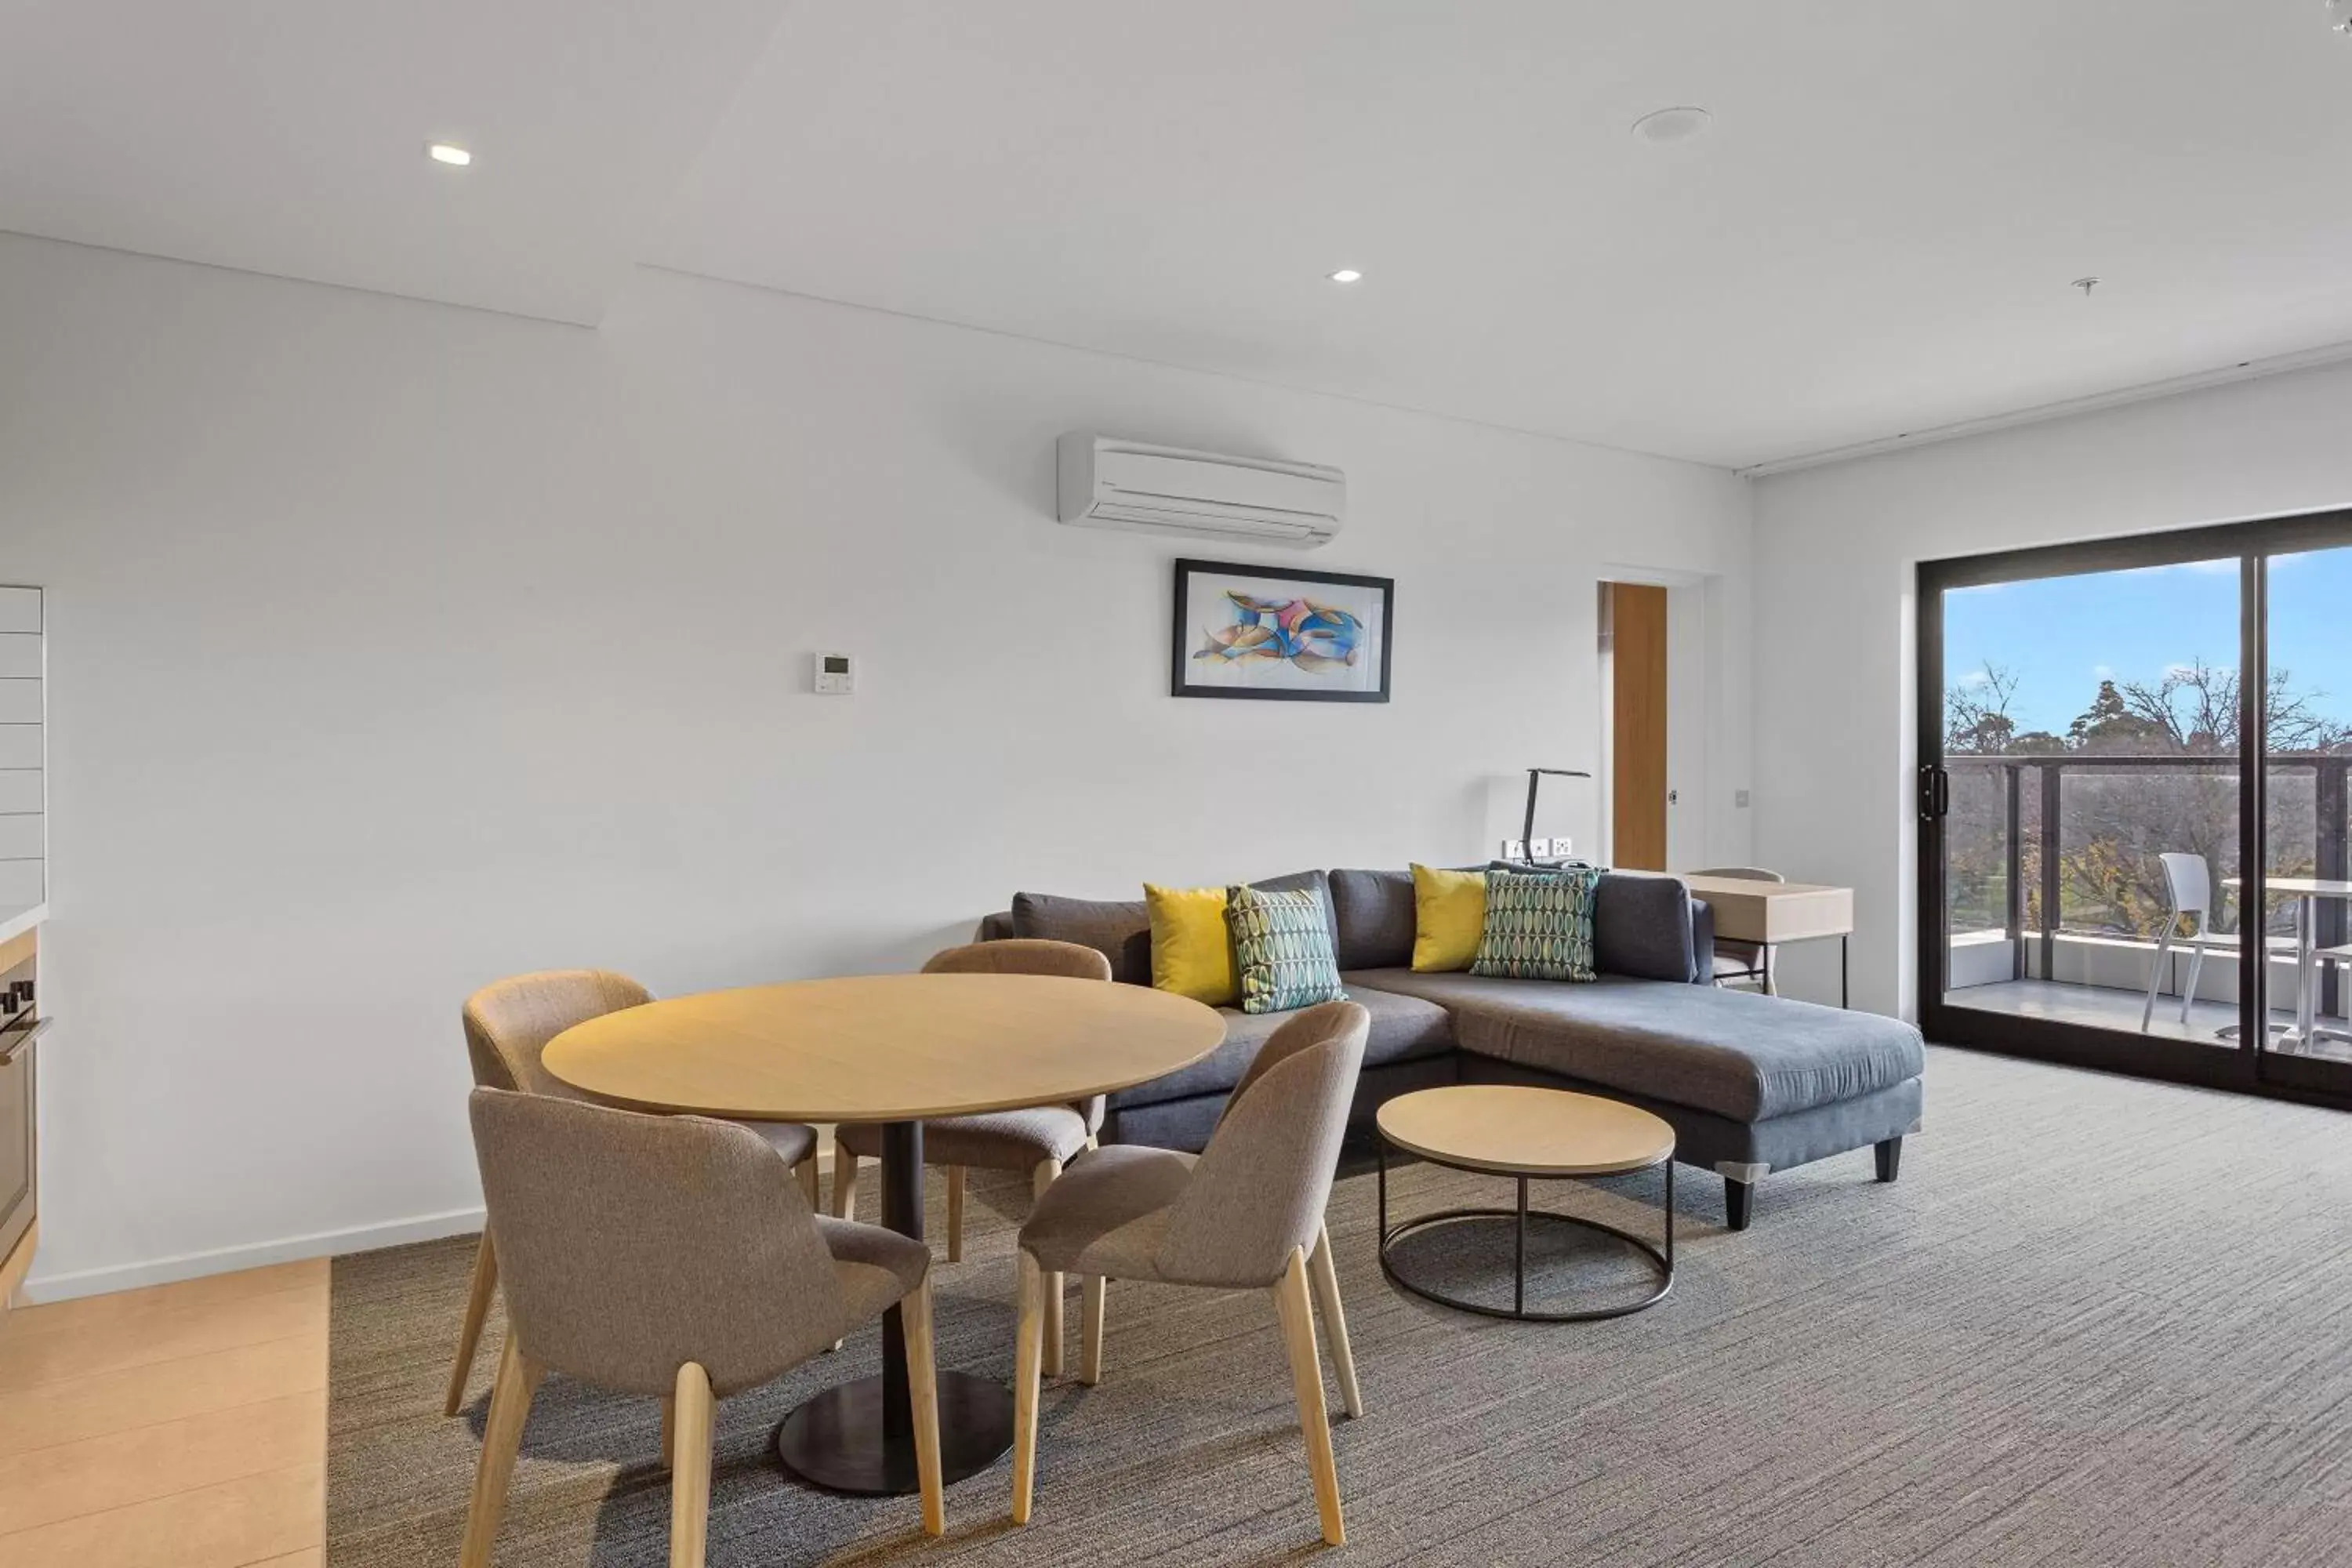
[
  {"x": 1529, "y": 1134},
  {"x": 898, "y": 1049}
]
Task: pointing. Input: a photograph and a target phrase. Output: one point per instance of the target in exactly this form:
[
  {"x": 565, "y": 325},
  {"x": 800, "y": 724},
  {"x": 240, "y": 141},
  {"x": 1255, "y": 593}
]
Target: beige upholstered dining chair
[
  {"x": 674, "y": 1257},
  {"x": 1246, "y": 1210},
  {"x": 1749, "y": 961},
  {"x": 508, "y": 1026},
  {"x": 1038, "y": 1142}
]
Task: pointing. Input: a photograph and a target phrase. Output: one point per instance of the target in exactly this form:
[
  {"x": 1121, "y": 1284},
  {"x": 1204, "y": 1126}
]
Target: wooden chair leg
[
  {"x": 511, "y": 1399},
  {"x": 477, "y": 1307},
  {"x": 1047, "y": 1172},
  {"x": 845, "y": 1181},
  {"x": 1325, "y": 1280},
  {"x": 845, "y": 1191},
  {"x": 955, "y": 1214},
  {"x": 1291, "y": 1299},
  {"x": 806, "y": 1171},
  {"x": 1028, "y": 1340},
  {"x": 923, "y": 1393},
  {"x": 669, "y": 1431},
  {"x": 690, "y": 1475},
  {"x": 1090, "y": 1335}
]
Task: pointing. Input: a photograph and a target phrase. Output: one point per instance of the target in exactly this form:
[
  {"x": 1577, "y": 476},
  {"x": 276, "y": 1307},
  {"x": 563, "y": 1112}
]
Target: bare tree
[
  {"x": 2194, "y": 709},
  {"x": 1976, "y": 715}
]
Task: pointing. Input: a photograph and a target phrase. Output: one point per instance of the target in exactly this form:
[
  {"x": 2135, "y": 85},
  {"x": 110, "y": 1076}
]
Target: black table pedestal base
[{"x": 836, "y": 1440}]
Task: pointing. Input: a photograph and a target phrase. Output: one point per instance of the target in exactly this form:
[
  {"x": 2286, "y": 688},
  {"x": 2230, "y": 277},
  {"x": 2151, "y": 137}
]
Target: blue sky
[{"x": 2061, "y": 636}]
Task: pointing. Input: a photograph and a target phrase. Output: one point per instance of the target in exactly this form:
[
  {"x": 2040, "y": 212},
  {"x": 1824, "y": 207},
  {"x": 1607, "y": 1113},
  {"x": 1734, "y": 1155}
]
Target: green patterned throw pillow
[
  {"x": 1538, "y": 926},
  {"x": 1282, "y": 949}
]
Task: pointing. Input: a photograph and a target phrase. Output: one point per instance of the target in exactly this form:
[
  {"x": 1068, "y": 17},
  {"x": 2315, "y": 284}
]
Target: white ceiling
[
  {"x": 1878, "y": 237},
  {"x": 288, "y": 136}
]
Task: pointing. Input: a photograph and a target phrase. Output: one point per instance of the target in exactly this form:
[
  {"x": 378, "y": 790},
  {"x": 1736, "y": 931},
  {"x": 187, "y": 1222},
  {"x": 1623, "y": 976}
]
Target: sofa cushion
[
  {"x": 1734, "y": 1053},
  {"x": 1120, "y": 931},
  {"x": 1191, "y": 950},
  {"x": 1403, "y": 1028},
  {"x": 1538, "y": 925},
  {"x": 1449, "y": 917},
  {"x": 1642, "y": 927},
  {"x": 1373, "y": 926},
  {"x": 1282, "y": 948},
  {"x": 1373, "y": 923}
]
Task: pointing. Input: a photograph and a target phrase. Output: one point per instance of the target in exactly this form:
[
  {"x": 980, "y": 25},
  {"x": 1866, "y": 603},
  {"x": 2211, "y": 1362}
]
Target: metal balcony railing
[{"x": 2206, "y": 822}]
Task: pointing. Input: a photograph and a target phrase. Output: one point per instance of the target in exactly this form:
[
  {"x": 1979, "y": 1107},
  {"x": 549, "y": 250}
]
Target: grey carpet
[{"x": 2097, "y": 1321}]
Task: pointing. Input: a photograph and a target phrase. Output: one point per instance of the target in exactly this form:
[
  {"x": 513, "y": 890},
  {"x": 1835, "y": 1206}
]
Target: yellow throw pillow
[
  {"x": 1449, "y": 910},
  {"x": 1191, "y": 952}
]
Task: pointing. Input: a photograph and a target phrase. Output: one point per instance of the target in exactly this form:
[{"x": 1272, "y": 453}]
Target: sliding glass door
[
  {"x": 2308, "y": 749},
  {"x": 2132, "y": 803}
]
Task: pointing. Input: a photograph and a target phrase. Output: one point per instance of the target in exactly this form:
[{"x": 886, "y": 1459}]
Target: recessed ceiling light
[
  {"x": 1664, "y": 126},
  {"x": 444, "y": 152},
  {"x": 1346, "y": 275}
]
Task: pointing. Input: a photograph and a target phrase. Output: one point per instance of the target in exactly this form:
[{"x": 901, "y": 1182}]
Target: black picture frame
[{"x": 1181, "y": 644}]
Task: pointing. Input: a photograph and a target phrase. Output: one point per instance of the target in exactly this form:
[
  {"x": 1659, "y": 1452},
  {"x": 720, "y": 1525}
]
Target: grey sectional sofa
[{"x": 1750, "y": 1083}]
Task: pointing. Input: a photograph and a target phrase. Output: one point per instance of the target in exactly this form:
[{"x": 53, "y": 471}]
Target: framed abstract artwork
[{"x": 1280, "y": 636}]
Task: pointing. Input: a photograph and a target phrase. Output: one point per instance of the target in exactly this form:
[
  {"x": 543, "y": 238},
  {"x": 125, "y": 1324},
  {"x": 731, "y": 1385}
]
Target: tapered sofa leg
[
  {"x": 1739, "y": 1202},
  {"x": 1890, "y": 1157}
]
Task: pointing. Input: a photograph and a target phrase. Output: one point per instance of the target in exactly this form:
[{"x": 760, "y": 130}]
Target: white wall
[
  {"x": 394, "y": 648},
  {"x": 1834, "y": 612}
]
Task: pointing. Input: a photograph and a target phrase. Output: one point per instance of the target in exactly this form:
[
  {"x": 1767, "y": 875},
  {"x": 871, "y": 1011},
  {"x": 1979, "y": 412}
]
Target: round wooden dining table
[{"x": 896, "y": 1049}]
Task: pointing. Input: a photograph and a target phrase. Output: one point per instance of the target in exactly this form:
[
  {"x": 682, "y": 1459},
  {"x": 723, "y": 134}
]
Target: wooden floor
[{"x": 181, "y": 1427}]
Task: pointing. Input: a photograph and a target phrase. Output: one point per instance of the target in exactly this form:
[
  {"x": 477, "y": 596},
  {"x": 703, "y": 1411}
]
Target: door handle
[{"x": 1935, "y": 793}]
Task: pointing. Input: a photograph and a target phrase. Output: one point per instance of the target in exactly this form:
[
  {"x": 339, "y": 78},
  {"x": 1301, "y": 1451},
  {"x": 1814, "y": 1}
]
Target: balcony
[{"x": 2077, "y": 837}]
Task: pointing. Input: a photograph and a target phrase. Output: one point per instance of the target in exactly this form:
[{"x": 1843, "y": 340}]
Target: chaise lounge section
[{"x": 1750, "y": 1084}]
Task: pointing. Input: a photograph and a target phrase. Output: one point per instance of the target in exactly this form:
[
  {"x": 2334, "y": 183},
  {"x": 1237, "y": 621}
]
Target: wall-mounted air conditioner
[{"x": 1144, "y": 488}]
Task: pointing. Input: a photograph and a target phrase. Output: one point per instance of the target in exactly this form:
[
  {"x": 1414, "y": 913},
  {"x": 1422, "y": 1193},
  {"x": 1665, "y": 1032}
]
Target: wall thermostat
[{"x": 836, "y": 674}]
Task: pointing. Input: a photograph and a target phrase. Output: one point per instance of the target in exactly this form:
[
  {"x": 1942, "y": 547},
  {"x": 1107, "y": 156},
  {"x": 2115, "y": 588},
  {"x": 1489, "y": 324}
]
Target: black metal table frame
[
  {"x": 1663, "y": 1259},
  {"x": 859, "y": 1437},
  {"x": 1760, "y": 971}
]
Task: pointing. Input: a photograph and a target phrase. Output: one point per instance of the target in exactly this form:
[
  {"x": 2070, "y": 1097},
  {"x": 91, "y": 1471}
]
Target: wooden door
[{"x": 1637, "y": 800}]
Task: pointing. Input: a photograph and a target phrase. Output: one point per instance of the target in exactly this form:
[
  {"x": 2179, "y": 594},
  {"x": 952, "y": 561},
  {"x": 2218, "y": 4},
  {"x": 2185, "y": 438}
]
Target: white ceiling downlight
[
  {"x": 1663, "y": 127},
  {"x": 449, "y": 153},
  {"x": 1345, "y": 275}
]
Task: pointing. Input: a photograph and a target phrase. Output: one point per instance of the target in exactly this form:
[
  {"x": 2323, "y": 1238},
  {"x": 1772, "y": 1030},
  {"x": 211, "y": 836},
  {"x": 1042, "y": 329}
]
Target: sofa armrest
[{"x": 1702, "y": 916}]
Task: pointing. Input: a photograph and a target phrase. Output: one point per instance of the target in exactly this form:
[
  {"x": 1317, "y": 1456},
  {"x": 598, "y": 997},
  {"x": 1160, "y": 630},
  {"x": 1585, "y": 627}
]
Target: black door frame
[{"x": 2248, "y": 1069}]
